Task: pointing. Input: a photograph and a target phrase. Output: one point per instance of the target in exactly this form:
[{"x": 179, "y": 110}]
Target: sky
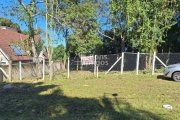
[{"x": 39, "y": 22}]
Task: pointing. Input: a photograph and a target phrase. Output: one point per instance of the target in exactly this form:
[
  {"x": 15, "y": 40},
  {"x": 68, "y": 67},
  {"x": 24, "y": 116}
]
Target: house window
[{"x": 17, "y": 50}]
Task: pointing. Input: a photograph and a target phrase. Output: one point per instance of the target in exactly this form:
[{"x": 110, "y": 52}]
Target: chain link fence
[
  {"x": 76, "y": 64},
  {"x": 104, "y": 62},
  {"x": 167, "y": 59},
  {"x": 137, "y": 63}
]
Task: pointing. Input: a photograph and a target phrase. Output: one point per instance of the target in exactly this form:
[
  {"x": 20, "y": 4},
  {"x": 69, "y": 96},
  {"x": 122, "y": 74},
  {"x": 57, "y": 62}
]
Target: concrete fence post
[
  {"x": 20, "y": 70},
  {"x": 10, "y": 70}
]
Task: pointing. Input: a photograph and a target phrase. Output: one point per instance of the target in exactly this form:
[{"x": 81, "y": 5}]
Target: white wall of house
[
  {"x": 3, "y": 59},
  {"x": 41, "y": 56}
]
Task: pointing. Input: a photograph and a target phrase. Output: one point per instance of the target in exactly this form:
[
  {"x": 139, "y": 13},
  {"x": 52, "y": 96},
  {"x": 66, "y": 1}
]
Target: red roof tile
[{"x": 6, "y": 38}]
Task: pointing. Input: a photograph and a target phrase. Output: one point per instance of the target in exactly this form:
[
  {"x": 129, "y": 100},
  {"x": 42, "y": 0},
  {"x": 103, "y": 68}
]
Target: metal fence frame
[
  {"x": 136, "y": 61},
  {"x": 106, "y": 63}
]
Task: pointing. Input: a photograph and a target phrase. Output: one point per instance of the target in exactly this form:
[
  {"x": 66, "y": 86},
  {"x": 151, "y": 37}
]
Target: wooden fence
[{"x": 29, "y": 70}]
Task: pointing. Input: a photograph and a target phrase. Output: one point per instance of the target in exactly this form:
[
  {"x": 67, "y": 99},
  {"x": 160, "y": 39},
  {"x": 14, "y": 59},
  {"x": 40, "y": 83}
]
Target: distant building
[{"x": 11, "y": 51}]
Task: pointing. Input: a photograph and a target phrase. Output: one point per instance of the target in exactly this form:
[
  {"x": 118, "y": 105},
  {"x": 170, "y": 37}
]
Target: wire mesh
[
  {"x": 130, "y": 61},
  {"x": 145, "y": 61},
  {"x": 167, "y": 59},
  {"x": 104, "y": 62},
  {"x": 75, "y": 64}
]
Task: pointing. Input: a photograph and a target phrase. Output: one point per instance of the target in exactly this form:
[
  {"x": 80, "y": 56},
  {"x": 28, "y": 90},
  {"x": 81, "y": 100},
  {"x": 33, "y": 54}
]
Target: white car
[{"x": 173, "y": 71}]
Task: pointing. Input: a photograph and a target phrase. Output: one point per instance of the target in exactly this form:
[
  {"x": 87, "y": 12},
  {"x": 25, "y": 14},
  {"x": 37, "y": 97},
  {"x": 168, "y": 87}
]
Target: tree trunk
[
  {"x": 50, "y": 70},
  {"x": 50, "y": 64},
  {"x": 150, "y": 60},
  {"x": 64, "y": 64},
  {"x": 122, "y": 44},
  {"x": 33, "y": 47},
  {"x": 77, "y": 65},
  {"x": 30, "y": 11}
]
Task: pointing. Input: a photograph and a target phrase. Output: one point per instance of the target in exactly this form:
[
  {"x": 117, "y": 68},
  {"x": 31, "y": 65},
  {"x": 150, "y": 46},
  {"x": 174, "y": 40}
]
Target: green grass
[{"x": 85, "y": 97}]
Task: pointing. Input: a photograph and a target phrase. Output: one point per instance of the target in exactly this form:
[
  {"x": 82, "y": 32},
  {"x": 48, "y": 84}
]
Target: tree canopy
[
  {"x": 59, "y": 53},
  {"x": 107, "y": 26},
  {"x": 9, "y": 23}
]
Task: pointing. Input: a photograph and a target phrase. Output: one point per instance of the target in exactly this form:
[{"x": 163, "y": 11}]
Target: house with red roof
[{"x": 14, "y": 52}]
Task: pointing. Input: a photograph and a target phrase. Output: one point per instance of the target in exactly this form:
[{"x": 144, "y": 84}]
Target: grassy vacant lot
[{"x": 84, "y": 97}]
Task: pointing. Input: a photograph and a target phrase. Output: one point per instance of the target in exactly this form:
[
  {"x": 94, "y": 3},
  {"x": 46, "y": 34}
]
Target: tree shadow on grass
[{"x": 47, "y": 102}]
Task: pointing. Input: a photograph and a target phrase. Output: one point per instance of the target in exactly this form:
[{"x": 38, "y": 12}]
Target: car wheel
[{"x": 176, "y": 76}]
